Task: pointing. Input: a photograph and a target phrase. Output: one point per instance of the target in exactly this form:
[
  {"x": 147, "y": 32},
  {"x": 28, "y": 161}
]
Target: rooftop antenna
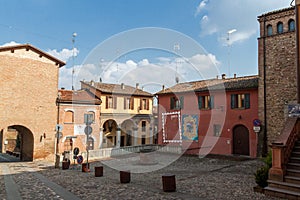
[
  {"x": 229, "y": 46},
  {"x": 176, "y": 49},
  {"x": 73, "y": 56}
]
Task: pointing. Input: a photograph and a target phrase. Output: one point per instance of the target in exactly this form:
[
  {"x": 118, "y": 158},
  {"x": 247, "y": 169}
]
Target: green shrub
[{"x": 261, "y": 176}]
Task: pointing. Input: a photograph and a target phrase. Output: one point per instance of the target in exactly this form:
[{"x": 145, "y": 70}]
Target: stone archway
[
  {"x": 24, "y": 142},
  {"x": 110, "y": 128},
  {"x": 127, "y": 132}
]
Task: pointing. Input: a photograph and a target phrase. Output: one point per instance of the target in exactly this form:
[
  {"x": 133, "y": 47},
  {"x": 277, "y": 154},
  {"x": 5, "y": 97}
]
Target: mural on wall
[{"x": 190, "y": 127}]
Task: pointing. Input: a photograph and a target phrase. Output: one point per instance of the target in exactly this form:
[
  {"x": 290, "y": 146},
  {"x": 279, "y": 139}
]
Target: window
[
  {"x": 217, "y": 130},
  {"x": 240, "y": 101},
  {"x": 280, "y": 27},
  {"x": 176, "y": 103},
  {"x": 69, "y": 117},
  {"x": 128, "y": 103},
  {"x": 292, "y": 25},
  {"x": 269, "y": 30},
  {"x": 111, "y": 102},
  {"x": 144, "y": 104},
  {"x": 89, "y": 117},
  {"x": 206, "y": 102},
  {"x": 143, "y": 126}
]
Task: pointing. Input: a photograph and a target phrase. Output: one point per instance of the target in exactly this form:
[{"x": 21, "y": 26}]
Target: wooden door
[{"x": 241, "y": 140}]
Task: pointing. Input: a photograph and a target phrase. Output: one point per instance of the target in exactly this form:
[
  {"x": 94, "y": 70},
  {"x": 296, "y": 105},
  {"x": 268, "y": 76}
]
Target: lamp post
[
  {"x": 229, "y": 45},
  {"x": 73, "y": 55},
  {"x": 58, "y": 129}
]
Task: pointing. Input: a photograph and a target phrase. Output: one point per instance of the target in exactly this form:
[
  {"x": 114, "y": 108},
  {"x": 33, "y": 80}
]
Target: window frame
[
  {"x": 176, "y": 103},
  {"x": 206, "y": 102},
  {"x": 240, "y": 101},
  {"x": 269, "y": 30},
  {"x": 292, "y": 24},
  {"x": 280, "y": 28}
]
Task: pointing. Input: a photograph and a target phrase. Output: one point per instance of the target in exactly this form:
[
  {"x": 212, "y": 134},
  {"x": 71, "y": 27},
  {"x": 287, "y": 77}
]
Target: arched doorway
[
  {"x": 240, "y": 140},
  {"x": 23, "y": 143},
  {"x": 127, "y": 135},
  {"x": 109, "y": 130}
]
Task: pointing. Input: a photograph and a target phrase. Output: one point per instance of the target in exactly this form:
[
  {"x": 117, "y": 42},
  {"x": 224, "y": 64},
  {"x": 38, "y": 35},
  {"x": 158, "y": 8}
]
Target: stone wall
[{"x": 277, "y": 56}]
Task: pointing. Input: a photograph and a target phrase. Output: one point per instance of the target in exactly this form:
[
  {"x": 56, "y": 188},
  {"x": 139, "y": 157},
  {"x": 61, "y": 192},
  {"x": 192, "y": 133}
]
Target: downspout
[
  {"x": 297, "y": 7},
  {"x": 265, "y": 138}
]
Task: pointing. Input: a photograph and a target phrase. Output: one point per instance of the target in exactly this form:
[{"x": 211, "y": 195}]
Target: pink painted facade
[{"x": 215, "y": 121}]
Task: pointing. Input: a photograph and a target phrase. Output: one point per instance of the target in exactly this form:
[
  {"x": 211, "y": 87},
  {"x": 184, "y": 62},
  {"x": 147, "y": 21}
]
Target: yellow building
[{"x": 125, "y": 114}]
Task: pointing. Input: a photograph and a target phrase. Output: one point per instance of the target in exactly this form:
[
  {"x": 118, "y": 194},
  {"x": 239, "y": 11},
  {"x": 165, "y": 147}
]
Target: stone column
[
  {"x": 101, "y": 138},
  {"x": 135, "y": 136},
  {"x": 118, "y": 143},
  {"x": 150, "y": 135}
]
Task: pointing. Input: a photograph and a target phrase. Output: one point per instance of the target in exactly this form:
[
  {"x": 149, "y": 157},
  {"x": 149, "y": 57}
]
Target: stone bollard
[
  {"x": 169, "y": 183},
  {"x": 85, "y": 167},
  {"x": 99, "y": 171},
  {"x": 124, "y": 176}
]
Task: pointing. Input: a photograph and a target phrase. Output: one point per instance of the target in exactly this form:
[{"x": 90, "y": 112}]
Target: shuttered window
[{"x": 240, "y": 101}]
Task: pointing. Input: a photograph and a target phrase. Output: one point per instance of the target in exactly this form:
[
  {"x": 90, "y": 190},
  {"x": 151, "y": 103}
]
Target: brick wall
[{"x": 27, "y": 98}]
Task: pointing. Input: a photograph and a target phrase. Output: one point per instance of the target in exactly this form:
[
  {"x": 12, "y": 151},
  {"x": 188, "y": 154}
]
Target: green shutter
[
  {"x": 247, "y": 101},
  {"x": 181, "y": 102},
  {"x": 233, "y": 103},
  {"x": 172, "y": 103},
  {"x": 212, "y": 102},
  {"x": 199, "y": 102}
]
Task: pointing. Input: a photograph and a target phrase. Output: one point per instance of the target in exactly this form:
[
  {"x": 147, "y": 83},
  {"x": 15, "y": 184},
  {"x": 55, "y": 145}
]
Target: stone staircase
[{"x": 290, "y": 186}]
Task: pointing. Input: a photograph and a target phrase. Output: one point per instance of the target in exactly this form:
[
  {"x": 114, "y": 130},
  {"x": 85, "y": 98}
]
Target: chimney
[
  {"x": 234, "y": 76},
  {"x": 223, "y": 76},
  {"x": 122, "y": 86},
  {"x": 62, "y": 88},
  {"x": 92, "y": 83},
  {"x": 217, "y": 77},
  {"x": 163, "y": 87},
  {"x": 137, "y": 85}
]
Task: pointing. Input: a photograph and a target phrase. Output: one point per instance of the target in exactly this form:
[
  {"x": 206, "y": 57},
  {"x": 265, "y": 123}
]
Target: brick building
[
  {"x": 73, "y": 107},
  {"x": 277, "y": 72},
  {"x": 29, "y": 82},
  {"x": 211, "y": 116}
]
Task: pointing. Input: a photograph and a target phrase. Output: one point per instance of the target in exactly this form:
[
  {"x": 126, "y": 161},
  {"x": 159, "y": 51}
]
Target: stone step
[
  {"x": 292, "y": 179},
  {"x": 295, "y": 159},
  {"x": 282, "y": 193},
  {"x": 293, "y": 172},
  {"x": 284, "y": 185},
  {"x": 291, "y": 165},
  {"x": 295, "y": 154}
]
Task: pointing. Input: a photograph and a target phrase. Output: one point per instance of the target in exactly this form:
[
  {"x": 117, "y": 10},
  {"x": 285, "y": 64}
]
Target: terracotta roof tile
[
  {"x": 78, "y": 97},
  {"x": 214, "y": 84},
  {"x": 117, "y": 89}
]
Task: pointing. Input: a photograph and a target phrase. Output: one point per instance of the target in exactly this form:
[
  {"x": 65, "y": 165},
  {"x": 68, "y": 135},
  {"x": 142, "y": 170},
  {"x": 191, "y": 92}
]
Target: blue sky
[{"x": 49, "y": 25}]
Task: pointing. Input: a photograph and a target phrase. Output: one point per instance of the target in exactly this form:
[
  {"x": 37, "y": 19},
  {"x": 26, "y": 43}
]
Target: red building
[{"x": 211, "y": 116}]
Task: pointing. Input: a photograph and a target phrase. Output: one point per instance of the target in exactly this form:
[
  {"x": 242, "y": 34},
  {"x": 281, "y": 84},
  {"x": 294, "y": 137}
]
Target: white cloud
[
  {"x": 11, "y": 43},
  {"x": 144, "y": 72},
  {"x": 200, "y": 7},
  {"x": 222, "y": 16},
  {"x": 64, "y": 54}
]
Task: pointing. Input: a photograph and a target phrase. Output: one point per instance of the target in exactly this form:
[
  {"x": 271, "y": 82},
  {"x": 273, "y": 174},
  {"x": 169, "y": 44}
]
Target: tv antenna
[
  {"x": 229, "y": 46},
  {"x": 176, "y": 49}
]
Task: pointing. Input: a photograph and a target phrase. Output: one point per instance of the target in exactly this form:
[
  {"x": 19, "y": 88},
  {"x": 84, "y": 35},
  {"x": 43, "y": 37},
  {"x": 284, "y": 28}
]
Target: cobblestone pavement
[{"x": 196, "y": 178}]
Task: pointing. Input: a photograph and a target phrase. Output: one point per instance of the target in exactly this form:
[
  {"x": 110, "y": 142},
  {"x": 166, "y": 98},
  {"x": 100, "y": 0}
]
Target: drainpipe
[{"x": 297, "y": 21}]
